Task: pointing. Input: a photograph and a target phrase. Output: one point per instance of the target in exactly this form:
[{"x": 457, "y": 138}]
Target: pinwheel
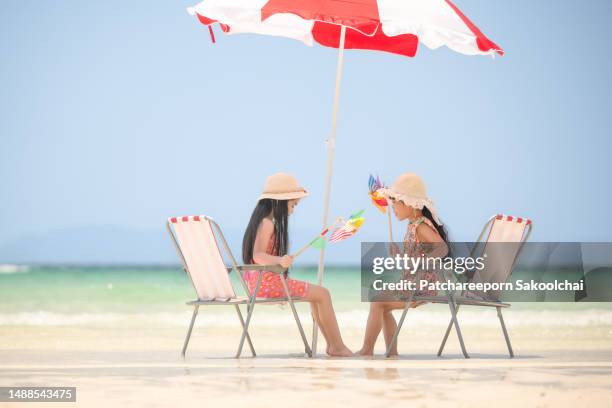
[
  {"x": 350, "y": 227},
  {"x": 347, "y": 229},
  {"x": 374, "y": 184}
]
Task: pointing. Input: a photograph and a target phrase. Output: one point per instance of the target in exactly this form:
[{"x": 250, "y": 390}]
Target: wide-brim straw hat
[
  {"x": 411, "y": 190},
  {"x": 282, "y": 186}
]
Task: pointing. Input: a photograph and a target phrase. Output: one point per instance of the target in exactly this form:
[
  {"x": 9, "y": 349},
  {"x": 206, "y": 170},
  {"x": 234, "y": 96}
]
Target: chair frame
[
  {"x": 250, "y": 300},
  {"x": 454, "y": 303}
]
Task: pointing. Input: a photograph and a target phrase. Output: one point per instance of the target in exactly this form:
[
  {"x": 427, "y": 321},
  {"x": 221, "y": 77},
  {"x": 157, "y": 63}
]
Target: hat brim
[
  {"x": 284, "y": 196},
  {"x": 408, "y": 199},
  {"x": 417, "y": 202}
]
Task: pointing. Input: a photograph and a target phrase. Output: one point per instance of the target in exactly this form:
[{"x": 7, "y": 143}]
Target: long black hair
[
  {"x": 440, "y": 228},
  {"x": 280, "y": 213}
]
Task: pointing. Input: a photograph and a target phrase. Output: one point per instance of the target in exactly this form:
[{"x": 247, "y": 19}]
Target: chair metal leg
[
  {"x": 250, "y": 309},
  {"x": 247, "y": 336},
  {"x": 448, "y": 330},
  {"x": 193, "y": 317},
  {"x": 315, "y": 336},
  {"x": 313, "y": 342},
  {"x": 397, "y": 331},
  {"x": 296, "y": 317},
  {"x": 453, "y": 309},
  {"x": 245, "y": 330},
  {"x": 503, "y": 325}
]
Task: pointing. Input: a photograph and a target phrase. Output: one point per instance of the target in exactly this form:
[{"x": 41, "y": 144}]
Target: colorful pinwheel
[
  {"x": 379, "y": 202},
  {"x": 350, "y": 227},
  {"x": 347, "y": 229},
  {"x": 374, "y": 184}
]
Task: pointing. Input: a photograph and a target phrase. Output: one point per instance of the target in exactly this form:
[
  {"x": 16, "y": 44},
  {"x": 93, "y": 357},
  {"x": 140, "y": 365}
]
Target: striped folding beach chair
[
  {"x": 499, "y": 261},
  {"x": 196, "y": 239}
]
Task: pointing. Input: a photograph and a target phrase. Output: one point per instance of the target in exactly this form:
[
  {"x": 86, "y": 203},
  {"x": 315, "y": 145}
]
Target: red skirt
[{"x": 272, "y": 287}]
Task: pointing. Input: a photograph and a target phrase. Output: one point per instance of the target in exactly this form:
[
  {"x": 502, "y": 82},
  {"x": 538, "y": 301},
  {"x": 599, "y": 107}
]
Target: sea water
[{"x": 90, "y": 295}]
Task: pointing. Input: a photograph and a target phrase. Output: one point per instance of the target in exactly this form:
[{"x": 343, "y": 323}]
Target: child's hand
[{"x": 286, "y": 261}]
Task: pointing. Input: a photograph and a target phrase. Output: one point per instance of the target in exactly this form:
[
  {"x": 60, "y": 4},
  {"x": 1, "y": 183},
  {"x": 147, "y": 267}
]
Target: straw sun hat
[
  {"x": 410, "y": 189},
  {"x": 282, "y": 186}
]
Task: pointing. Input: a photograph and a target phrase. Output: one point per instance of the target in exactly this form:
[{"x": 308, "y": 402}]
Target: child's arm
[
  {"x": 260, "y": 256},
  {"x": 429, "y": 235}
]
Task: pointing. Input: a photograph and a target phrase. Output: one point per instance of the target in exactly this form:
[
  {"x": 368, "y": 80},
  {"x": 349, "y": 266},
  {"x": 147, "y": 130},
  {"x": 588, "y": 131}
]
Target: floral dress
[
  {"x": 415, "y": 248},
  {"x": 271, "y": 285}
]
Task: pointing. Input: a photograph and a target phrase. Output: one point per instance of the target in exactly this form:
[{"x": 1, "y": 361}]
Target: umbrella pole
[{"x": 331, "y": 146}]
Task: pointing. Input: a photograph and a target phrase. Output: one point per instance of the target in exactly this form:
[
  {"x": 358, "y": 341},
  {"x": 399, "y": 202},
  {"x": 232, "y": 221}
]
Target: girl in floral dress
[{"x": 425, "y": 237}]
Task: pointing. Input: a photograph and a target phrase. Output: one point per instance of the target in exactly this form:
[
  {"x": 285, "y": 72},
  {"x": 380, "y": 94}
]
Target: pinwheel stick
[
  {"x": 390, "y": 225},
  {"x": 305, "y": 247},
  {"x": 321, "y": 235}
]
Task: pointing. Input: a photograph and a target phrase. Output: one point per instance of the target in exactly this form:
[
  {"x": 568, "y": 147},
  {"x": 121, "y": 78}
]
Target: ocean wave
[
  {"x": 9, "y": 268},
  {"x": 347, "y": 319}
]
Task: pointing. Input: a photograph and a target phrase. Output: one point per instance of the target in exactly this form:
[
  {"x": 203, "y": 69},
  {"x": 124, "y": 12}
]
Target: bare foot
[
  {"x": 365, "y": 352},
  {"x": 393, "y": 354},
  {"x": 340, "y": 352}
]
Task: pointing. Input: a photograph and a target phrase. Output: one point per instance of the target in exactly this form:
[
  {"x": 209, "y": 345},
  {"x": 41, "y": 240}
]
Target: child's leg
[
  {"x": 373, "y": 327},
  {"x": 316, "y": 317},
  {"x": 327, "y": 320},
  {"x": 389, "y": 325},
  {"x": 380, "y": 317}
]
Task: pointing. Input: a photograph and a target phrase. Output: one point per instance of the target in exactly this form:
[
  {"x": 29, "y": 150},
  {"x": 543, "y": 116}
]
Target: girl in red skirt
[{"x": 265, "y": 242}]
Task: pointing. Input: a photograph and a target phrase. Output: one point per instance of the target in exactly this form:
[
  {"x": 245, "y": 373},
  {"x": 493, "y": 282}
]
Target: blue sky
[{"x": 115, "y": 115}]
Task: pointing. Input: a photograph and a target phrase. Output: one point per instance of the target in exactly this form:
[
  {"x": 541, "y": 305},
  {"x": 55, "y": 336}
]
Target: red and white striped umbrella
[{"x": 395, "y": 26}]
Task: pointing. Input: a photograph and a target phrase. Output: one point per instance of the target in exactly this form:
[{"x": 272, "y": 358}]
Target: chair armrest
[{"x": 256, "y": 267}]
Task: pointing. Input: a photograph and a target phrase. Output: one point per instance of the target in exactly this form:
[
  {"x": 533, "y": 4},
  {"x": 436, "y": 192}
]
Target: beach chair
[
  {"x": 499, "y": 262},
  {"x": 196, "y": 239}
]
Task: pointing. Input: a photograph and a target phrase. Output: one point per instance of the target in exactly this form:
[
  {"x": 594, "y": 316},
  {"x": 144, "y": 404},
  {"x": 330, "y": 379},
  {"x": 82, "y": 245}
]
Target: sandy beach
[{"x": 136, "y": 362}]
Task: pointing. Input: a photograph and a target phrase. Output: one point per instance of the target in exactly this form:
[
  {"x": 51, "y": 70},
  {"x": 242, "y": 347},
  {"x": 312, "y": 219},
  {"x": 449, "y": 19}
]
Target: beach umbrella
[{"x": 395, "y": 26}]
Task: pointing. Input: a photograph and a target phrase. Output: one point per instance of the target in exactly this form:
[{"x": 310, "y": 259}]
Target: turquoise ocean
[{"x": 86, "y": 295}]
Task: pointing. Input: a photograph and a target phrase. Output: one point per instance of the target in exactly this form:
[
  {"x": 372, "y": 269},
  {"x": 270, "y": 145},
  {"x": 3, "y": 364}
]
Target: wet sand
[{"x": 135, "y": 366}]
